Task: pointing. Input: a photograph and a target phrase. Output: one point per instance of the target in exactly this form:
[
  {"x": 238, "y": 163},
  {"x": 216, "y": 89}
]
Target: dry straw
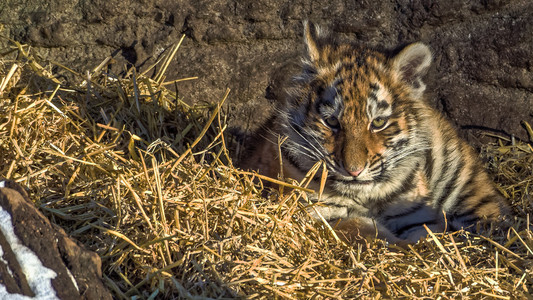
[{"x": 147, "y": 182}]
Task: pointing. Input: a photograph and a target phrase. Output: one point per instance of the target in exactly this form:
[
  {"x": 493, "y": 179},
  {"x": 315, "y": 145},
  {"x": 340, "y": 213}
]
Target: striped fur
[{"x": 394, "y": 163}]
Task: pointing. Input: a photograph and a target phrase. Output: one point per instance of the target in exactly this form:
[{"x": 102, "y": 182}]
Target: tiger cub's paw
[{"x": 357, "y": 230}]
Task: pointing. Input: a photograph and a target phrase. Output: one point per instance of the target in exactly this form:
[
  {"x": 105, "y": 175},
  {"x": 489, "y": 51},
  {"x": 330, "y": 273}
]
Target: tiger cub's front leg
[
  {"x": 347, "y": 220},
  {"x": 354, "y": 229}
]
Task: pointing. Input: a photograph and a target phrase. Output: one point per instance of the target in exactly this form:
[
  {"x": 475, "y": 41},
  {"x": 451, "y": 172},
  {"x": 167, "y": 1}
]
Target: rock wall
[{"x": 482, "y": 75}]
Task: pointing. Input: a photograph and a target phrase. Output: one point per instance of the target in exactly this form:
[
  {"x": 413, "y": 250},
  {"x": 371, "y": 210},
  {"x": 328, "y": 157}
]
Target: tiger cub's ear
[
  {"x": 411, "y": 64},
  {"x": 314, "y": 38}
]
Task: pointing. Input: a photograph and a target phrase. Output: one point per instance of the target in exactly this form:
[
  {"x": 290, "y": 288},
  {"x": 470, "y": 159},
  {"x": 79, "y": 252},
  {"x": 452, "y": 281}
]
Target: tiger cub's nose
[{"x": 356, "y": 172}]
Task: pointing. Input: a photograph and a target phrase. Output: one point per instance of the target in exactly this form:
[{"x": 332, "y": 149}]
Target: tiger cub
[{"x": 394, "y": 163}]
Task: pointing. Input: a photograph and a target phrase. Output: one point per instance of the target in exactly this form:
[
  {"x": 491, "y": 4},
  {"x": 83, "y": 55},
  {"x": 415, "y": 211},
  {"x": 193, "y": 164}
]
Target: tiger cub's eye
[
  {"x": 332, "y": 122},
  {"x": 378, "y": 123}
]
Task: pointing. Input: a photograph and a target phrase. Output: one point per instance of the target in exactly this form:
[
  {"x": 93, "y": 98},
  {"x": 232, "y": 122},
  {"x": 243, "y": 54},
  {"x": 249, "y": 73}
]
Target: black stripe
[
  {"x": 392, "y": 129},
  {"x": 451, "y": 185},
  {"x": 406, "y": 185},
  {"x": 373, "y": 97},
  {"x": 406, "y": 228},
  {"x": 374, "y": 166},
  {"x": 446, "y": 163},
  {"x": 411, "y": 210},
  {"x": 400, "y": 143},
  {"x": 388, "y": 139},
  {"x": 467, "y": 192},
  {"x": 383, "y": 104},
  {"x": 330, "y": 204},
  {"x": 392, "y": 123},
  {"x": 470, "y": 211},
  {"x": 382, "y": 176},
  {"x": 378, "y": 164},
  {"x": 430, "y": 161},
  {"x": 443, "y": 171}
]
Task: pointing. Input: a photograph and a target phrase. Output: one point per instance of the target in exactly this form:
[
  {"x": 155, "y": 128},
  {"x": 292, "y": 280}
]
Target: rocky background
[{"x": 482, "y": 76}]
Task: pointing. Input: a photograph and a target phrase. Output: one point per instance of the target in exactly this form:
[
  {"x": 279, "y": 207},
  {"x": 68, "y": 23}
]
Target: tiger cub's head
[{"x": 356, "y": 109}]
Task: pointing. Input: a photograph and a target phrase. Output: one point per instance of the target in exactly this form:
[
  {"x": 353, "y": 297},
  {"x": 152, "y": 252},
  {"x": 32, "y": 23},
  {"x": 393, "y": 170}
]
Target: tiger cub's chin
[{"x": 393, "y": 161}]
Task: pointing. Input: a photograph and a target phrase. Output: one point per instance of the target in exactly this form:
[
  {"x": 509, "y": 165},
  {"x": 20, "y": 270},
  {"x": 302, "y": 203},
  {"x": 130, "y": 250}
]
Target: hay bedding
[{"x": 147, "y": 181}]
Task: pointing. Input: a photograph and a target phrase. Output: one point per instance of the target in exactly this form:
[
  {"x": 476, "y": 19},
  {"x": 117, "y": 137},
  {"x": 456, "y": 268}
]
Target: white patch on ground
[
  {"x": 2, "y": 184},
  {"x": 38, "y": 276}
]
